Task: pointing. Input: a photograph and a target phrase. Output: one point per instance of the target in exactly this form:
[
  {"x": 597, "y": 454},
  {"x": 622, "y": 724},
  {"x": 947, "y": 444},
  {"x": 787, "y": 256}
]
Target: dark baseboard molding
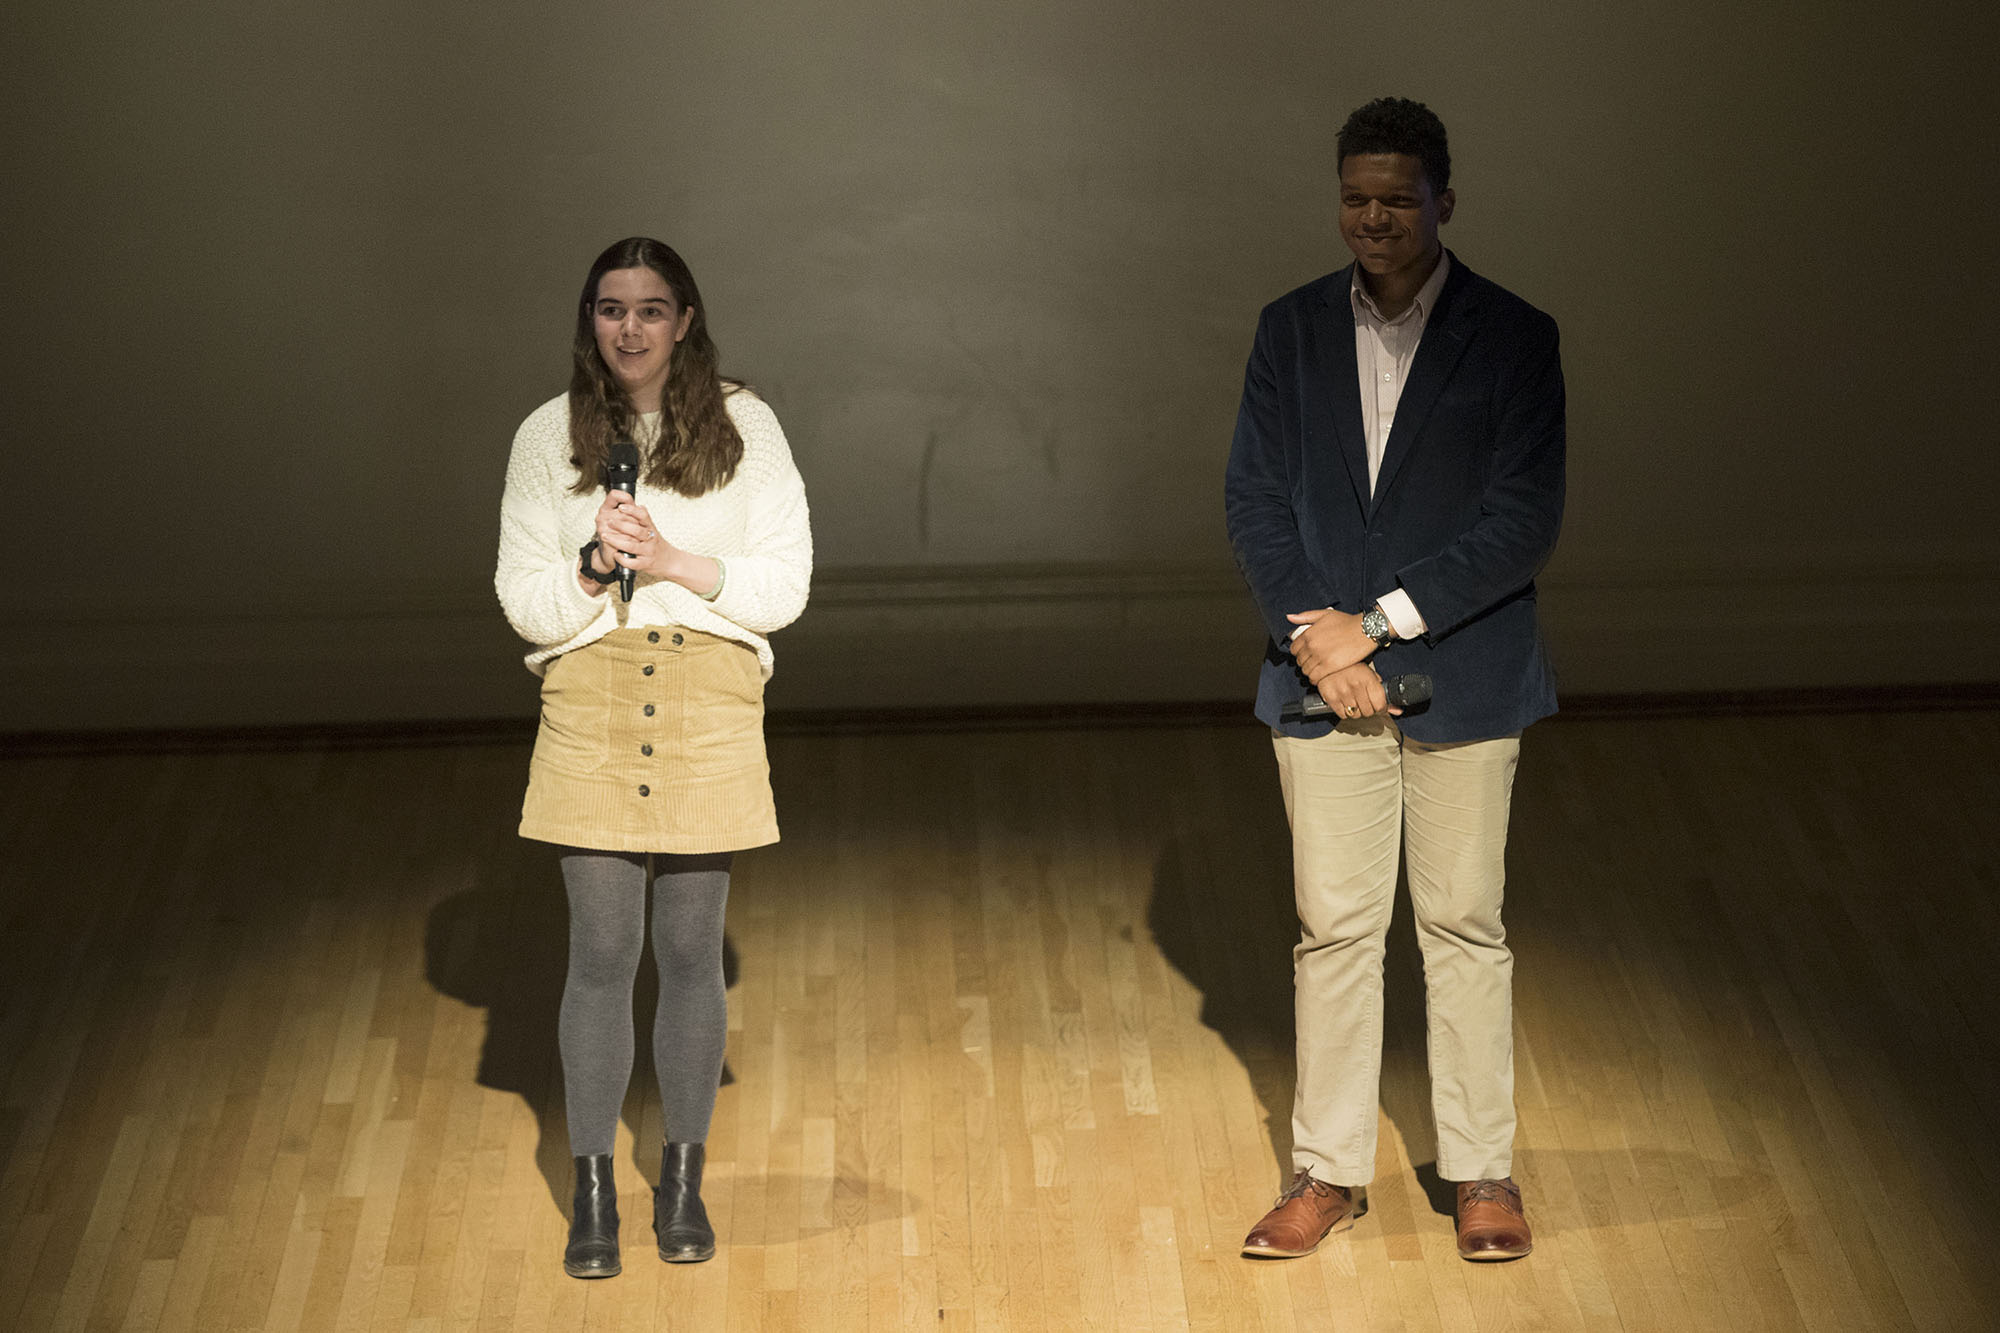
[
  {"x": 1236, "y": 712},
  {"x": 1010, "y": 717},
  {"x": 997, "y": 717},
  {"x": 1955, "y": 697},
  {"x": 251, "y": 740}
]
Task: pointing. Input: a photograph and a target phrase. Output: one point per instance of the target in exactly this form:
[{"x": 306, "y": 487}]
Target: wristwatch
[
  {"x": 590, "y": 570},
  {"x": 1375, "y": 624}
]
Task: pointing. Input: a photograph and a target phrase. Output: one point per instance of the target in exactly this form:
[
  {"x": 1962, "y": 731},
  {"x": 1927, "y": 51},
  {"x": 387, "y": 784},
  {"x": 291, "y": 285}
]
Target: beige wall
[{"x": 291, "y": 276}]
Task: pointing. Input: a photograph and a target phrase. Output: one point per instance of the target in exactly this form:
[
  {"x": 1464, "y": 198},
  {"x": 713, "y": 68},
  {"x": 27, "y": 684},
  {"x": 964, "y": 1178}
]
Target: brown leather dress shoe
[
  {"x": 1306, "y": 1213},
  {"x": 1491, "y": 1223}
]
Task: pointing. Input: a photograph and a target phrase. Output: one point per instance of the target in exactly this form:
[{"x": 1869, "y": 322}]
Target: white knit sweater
[{"x": 757, "y": 525}]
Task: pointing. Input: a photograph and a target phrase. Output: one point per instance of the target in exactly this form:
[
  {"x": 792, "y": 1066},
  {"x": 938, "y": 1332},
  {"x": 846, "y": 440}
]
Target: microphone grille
[{"x": 1405, "y": 691}]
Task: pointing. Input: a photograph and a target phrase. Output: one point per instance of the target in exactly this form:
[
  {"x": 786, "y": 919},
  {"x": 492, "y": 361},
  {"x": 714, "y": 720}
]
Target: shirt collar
[{"x": 1419, "y": 309}]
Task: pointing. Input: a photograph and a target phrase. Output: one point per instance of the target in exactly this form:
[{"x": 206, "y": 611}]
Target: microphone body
[
  {"x": 622, "y": 474},
  {"x": 1404, "y": 692}
]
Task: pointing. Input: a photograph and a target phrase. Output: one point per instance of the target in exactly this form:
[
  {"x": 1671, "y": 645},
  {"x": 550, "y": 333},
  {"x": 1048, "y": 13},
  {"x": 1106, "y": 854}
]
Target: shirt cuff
[{"x": 1402, "y": 613}]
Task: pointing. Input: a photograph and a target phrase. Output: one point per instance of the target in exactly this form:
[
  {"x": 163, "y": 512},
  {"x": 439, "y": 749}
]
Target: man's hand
[
  {"x": 1355, "y": 692},
  {"x": 1331, "y": 642}
]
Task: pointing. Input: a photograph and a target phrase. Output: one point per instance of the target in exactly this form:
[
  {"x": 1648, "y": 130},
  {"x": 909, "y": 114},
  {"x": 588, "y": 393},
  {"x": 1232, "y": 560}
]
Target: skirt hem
[{"x": 596, "y": 840}]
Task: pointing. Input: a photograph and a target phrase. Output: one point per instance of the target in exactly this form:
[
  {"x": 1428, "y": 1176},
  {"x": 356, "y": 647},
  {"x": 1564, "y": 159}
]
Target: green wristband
[{"x": 721, "y": 577}]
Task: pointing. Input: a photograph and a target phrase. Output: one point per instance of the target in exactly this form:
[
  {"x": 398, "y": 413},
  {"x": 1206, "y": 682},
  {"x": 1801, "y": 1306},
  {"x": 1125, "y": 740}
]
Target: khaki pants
[{"x": 1354, "y": 798}]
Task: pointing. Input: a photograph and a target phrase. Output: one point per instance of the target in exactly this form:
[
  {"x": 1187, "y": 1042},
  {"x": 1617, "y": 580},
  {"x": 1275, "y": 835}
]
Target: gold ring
[{"x": 1352, "y": 711}]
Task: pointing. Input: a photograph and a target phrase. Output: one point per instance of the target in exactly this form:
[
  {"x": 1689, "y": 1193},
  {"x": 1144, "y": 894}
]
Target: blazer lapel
[
  {"x": 1446, "y": 335},
  {"x": 1334, "y": 330}
]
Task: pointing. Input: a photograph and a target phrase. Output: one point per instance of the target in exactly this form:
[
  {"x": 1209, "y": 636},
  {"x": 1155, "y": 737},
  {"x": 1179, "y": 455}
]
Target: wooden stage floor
[{"x": 1009, "y": 1043}]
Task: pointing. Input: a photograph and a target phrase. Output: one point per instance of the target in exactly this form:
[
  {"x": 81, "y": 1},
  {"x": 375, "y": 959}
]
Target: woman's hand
[
  {"x": 625, "y": 534},
  {"x": 625, "y": 530},
  {"x": 1355, "y": 691}
]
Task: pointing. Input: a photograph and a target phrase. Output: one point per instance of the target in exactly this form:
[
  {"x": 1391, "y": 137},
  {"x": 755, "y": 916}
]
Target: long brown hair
[{"x": 698, "y": 447}]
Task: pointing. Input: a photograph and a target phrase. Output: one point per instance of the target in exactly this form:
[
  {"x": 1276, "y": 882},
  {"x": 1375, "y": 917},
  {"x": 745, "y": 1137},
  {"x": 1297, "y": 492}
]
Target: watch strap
[{"x": 590, "y": 571}]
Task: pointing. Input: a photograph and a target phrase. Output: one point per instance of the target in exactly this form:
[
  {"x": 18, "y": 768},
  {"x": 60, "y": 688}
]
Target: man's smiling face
[{"x": 1389, "y": 215}]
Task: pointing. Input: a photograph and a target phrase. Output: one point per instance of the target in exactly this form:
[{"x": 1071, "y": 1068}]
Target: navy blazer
[{"x": 1464, "y": 513}]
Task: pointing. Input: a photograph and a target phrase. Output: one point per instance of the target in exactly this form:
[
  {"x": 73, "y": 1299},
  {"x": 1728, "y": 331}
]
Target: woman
[{"x": 651, "y": 746}]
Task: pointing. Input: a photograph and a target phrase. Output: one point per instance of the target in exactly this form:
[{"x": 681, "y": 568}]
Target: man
[{"x": 1395, "y": 483}]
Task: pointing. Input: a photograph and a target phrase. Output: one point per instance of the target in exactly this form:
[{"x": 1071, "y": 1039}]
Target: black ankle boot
[
  {"x": 593, "y": 1228},
  {"x": 680, "y": 1223}
]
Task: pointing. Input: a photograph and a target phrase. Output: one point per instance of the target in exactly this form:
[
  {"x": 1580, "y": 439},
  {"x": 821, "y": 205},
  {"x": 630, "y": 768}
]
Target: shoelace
[
  {"x": 1301, "y": 1184},
  {"x": 1491, "y": 1191}
]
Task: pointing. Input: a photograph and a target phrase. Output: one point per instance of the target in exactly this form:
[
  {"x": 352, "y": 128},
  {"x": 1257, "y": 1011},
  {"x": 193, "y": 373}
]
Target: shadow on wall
[{"x": 505, "y": 949}]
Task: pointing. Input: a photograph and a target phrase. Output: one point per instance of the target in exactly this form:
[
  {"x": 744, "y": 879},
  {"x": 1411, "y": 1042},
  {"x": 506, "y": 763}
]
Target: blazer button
[
  {"x": 649, "y": 710},
  {"x": 646, "y": 670},
  {"x": 645, "y": 791},
  {"x": 646, "y": 750},
  {"x": 653, "y": 636},
  {"x": 677, "y": 640}
]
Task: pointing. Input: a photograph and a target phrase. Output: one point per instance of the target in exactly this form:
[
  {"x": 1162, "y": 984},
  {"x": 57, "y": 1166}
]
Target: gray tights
[{"x": 607, "y": 929}]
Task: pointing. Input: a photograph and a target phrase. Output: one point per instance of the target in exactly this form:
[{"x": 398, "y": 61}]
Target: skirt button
[{"x": 645, "y": 791}]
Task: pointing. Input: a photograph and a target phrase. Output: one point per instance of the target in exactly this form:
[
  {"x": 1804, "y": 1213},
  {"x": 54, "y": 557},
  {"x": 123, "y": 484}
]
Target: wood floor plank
[
  {"x": 1009, "y": 1044},
  {"x": 190, "y": 1276}
]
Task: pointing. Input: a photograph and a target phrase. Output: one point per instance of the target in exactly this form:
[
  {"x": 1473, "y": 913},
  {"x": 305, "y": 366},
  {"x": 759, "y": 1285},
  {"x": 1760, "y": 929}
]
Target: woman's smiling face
[{"x": 638, "y": 323}]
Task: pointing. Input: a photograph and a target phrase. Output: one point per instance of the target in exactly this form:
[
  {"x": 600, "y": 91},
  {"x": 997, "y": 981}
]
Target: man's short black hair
[{"x": 1398, "y": 125}]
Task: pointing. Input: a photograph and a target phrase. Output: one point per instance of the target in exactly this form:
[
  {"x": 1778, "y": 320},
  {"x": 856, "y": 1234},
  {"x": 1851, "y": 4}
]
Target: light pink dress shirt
[{"x": 1384, "y": 351}]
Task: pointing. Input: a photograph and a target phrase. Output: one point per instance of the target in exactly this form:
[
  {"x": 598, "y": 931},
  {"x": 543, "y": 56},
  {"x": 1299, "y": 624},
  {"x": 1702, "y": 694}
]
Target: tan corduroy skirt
[{"x": 652, "y": 740}]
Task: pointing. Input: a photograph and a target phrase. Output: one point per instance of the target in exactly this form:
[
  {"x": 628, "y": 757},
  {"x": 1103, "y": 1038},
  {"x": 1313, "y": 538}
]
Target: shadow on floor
[
  {"x": 504, "y": 948},
  {"x": 1229, "y": 929}
]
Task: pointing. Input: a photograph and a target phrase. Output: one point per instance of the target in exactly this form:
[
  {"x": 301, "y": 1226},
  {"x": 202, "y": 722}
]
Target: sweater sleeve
[
  {"x": 766, "y": 585},
  {"x": 536, "y": 574}
]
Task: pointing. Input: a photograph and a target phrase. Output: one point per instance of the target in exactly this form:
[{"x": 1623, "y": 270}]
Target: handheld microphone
[
  {"x": 1403, "y": 691},
  {"x": 622, "y": 474}
]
